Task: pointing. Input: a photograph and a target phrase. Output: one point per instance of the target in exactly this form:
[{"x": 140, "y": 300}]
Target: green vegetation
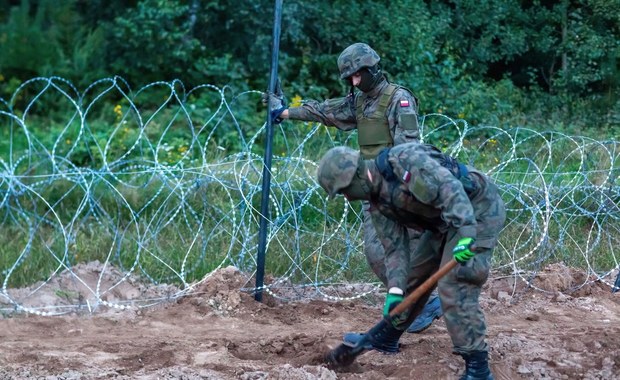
[
  {"x": 549, "y": 65},
  {"x": 542, "y": 65}
]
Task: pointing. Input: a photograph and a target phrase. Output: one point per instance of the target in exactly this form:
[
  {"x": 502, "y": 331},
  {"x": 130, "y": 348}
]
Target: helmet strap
[
  {"x": 361, "y": 174},
  {"x": 374, "y": 181}
]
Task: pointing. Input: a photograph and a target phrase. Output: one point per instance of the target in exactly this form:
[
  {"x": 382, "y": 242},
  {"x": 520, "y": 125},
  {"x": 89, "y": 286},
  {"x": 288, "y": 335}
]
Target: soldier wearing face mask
[{"x": 385, "y": 114}]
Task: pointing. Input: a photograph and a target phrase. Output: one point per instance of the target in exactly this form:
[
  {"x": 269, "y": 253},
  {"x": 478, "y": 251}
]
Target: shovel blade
[{"x": 343, "y": 355}]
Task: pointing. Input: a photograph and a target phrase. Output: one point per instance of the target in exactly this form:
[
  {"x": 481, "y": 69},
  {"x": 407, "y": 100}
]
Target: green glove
[
  {"x": 391, "y": 300},
  {"x": 462, "y": 252}
]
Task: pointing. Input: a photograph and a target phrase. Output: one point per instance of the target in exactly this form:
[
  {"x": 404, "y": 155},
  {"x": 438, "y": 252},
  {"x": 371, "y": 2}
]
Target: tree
[
  {"x": 49, "y": 39},
  {"x": 153, "y": 41}
]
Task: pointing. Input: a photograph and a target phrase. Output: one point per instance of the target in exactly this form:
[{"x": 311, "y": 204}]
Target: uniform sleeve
[
  {"x": 435, "y": 186},
  {"x": 395, "y": 240},
  {"x": 403, "y": 117},
  {"x": 338, "y": 112}
]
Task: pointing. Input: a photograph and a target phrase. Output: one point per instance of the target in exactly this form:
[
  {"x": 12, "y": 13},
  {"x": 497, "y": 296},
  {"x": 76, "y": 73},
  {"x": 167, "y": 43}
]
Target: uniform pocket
[
  {"x": 408, "y": 122},
  {"x": 476, "y": 270},
  {"x": 407, "y": 130}
]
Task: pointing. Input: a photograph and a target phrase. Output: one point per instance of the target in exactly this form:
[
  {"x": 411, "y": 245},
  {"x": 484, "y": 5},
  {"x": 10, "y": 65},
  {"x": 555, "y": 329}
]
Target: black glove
[
  {"x": 275, "y": 115},
  {"x": 276, "y": 103}
]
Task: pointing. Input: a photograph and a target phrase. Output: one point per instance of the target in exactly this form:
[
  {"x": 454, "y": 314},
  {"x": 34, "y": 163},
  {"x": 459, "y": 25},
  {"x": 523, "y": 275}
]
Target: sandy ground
[{"x": 218, "y": 332}]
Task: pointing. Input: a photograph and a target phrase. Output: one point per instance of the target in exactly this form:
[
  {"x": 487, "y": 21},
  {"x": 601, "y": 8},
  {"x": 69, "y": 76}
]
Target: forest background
[{"x": 547, "y": 65}]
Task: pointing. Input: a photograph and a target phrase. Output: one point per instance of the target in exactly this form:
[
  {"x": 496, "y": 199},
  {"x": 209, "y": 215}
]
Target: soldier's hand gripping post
[{"x": 276, "y": 103}]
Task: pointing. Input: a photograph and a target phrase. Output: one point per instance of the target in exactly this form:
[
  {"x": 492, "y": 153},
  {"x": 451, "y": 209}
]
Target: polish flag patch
[
  {"x": 404, "y": 103},
  {"x": 406, "y": 176}
]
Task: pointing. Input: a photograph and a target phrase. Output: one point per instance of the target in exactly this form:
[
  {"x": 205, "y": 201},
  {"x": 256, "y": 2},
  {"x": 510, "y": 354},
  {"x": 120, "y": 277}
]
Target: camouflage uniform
[
  {"x": 424, "y": 190},
  {"x": 429, "y": 197},
  {"x": 341, "y": 112},
  {"x": 348, "y": 112}
]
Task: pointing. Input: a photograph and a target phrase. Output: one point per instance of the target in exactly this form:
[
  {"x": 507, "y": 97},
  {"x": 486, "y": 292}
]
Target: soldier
[
  {"x": 460, "y": 214},
  {"x": 384, "y": 114}
]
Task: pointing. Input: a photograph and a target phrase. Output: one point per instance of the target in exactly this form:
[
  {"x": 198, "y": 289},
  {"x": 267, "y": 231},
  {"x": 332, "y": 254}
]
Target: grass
[{"x": 189, "y": 217}]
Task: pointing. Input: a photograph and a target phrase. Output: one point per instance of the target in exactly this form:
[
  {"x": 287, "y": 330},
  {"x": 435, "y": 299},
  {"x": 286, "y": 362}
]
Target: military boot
[
  {"x": 476, "y": 366},
  {"x": 432, "y": 310},
  {"x": 383, "y": 337}
]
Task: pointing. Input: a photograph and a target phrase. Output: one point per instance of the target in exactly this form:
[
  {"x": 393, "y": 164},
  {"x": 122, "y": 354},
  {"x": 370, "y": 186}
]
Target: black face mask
[
  {"x": 370, "y": 77},
  {"x": 358, "y": 189},
  {"x": 367, "y": 80}
]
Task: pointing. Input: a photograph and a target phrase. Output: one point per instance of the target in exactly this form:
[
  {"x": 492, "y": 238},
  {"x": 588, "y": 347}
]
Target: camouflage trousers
[
  {"x": 373, "y": 248},
  {"x": 459, "y": 290},
  {"x": 375, "y": 256}
]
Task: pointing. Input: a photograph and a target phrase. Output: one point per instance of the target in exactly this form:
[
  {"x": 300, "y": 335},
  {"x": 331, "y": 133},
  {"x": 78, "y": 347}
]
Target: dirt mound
[
  {"x": 86, "y": 287},
  {"x": 571, "y": 281},
  {"x": 556, "y": 279},
  {"x": 219, "y": 292},
  {"x": 219, "y": 332}
]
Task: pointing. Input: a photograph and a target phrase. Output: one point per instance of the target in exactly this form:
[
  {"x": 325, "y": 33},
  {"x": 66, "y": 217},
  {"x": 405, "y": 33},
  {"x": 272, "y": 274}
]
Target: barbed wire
[{"x": 161, "y": 186}]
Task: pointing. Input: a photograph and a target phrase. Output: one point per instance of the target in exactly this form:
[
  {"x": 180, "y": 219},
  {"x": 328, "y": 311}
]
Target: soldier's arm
[
  {"x": 456, "y": 208},
  {"x": 337, "y": 112},
  {"x": 403, "y": 117},
  {"x": 395, "y": 240}
]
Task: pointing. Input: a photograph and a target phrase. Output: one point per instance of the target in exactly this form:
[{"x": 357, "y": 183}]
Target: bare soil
[{"x": 219, "y": 332}]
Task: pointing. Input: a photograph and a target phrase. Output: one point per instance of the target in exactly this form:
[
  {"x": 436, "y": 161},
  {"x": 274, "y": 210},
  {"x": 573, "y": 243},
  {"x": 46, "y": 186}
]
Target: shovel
[{"x": 344, "y": 355}]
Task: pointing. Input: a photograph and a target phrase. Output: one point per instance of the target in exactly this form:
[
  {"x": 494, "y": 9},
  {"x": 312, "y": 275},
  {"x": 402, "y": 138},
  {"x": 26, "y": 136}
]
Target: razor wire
[{"x": 162, "y": 185}]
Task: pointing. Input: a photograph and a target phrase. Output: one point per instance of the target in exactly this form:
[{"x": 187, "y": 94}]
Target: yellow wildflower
[
  {"x": 118, "y": 111},
  {"x": 296, "y": 101}
]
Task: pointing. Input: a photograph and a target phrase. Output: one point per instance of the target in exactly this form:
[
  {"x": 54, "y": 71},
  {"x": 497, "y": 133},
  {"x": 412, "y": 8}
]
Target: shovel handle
[
  {"x": 344, "y": 355},
  {"x": 423, "y": 288}
]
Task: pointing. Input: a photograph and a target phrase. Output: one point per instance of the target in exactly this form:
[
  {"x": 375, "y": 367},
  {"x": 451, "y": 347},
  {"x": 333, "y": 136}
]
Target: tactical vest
[{"x": 373, "y": 131}]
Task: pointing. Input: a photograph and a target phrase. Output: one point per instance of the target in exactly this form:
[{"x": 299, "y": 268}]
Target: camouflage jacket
[
  {"x": 340, "y": 112},
  {"x": 424, "y": 195}
]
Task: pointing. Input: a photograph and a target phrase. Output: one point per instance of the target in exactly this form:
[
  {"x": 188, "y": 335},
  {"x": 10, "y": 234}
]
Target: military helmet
[
  {"x": 356, "y": 57},
  {"x": 337, "y": 168}
]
